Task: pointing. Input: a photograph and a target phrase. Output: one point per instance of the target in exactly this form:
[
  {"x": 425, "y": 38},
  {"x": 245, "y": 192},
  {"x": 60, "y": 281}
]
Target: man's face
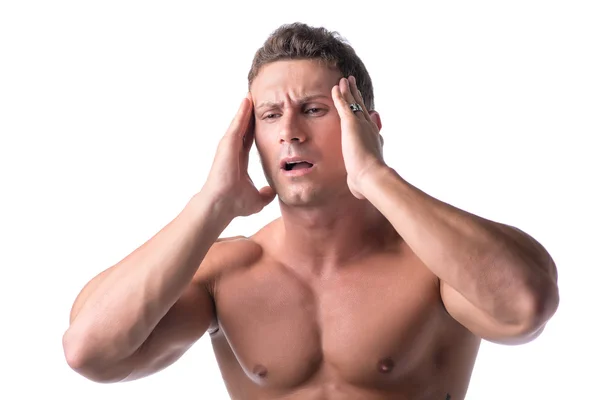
[{"x": 296, "y": 117}]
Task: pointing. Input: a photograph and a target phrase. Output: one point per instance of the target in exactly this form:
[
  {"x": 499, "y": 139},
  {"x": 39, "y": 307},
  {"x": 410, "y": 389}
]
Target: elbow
[
  {"x": 74, "y": 351},
  {"x": 82, "y": 360},
  {"x": 529, "y": 318},
  {"x": 538, "y": 308}
]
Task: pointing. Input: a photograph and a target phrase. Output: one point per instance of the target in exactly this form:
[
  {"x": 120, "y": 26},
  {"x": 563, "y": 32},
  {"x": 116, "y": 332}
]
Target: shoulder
[
  {"x": 232, "y": 253},
  {"x": 244, "y": 250},
  {"x": 225, "y": 254}
]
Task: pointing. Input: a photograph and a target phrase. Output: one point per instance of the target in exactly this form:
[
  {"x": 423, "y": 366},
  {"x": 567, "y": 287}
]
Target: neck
[{"x": 328, "y": 236}]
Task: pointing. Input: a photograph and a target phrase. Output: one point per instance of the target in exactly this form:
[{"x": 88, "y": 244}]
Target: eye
[
  {"x": 270, "y": 116},
  {"x": 314, "y": 111}
]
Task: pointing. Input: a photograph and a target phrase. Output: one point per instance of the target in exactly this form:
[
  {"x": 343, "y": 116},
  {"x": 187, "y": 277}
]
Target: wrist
[
  {"x": 373, "y": 174},
  {"x": 376, "y": 178},
  {"x": 213, "y": 206}
]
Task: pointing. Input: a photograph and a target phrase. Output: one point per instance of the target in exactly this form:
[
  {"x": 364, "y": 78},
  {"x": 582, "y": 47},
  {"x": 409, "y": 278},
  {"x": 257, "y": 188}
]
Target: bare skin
[
  {"x": 365, "y": 288},
  {"x": 372, "y": 327}
]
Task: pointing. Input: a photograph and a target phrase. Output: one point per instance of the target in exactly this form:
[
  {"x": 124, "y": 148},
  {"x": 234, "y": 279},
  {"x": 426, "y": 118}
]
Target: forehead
[{"x": 280, "y": 80}]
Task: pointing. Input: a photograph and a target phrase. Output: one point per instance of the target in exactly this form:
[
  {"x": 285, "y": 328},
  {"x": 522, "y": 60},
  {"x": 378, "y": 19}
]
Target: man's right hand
[{"x": 228, "y": 179}]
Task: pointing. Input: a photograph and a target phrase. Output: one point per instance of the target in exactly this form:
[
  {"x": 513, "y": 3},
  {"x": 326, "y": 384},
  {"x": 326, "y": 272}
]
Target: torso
[{"x": 376, "y": 328}]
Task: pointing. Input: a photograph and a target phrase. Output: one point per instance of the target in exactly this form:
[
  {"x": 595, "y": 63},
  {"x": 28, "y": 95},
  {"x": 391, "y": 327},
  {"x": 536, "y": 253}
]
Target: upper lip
[{"x": 287, "y": 160}]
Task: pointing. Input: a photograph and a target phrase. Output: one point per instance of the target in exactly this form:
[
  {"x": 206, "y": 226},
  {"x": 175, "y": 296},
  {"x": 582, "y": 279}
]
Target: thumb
[{"x": 267, "y": 194}]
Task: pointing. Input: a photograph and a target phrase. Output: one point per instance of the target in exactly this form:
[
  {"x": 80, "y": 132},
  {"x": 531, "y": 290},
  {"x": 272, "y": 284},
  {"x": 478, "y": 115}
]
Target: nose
[{"x": 290, "y": 130}]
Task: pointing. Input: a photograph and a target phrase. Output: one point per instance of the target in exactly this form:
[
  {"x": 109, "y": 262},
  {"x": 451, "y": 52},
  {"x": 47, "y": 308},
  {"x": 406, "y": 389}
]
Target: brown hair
[{"x": 299, "y": 41}]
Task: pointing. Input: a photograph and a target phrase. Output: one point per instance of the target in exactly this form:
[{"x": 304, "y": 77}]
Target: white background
[{"x": 110, "y": 113}]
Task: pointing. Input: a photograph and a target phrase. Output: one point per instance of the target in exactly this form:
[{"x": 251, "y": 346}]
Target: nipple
[
  {"x": 260, "y": 371},
  {"x": 386, "y": 365}
]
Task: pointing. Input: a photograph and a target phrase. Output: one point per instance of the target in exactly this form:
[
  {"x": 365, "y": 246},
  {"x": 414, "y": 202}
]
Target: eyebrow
[{"x": 303, "y": 99}]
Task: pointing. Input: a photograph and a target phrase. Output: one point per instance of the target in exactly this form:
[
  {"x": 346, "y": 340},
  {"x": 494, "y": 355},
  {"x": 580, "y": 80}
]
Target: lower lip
[{"x": 297, "y": 172}]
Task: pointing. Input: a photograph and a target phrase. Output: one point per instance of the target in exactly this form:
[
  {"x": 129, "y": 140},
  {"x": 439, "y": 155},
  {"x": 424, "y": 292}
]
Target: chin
[
  {"x": 298, "y": 198},
  {"x": 303, "y": 192},
  {"x": 311, "y": 196}
]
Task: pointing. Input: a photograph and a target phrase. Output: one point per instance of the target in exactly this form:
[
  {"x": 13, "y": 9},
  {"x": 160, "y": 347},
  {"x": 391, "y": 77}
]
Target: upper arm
[
  {"x": 482, "y": 324},
  {"x": 191, "y": 316},
  {"x": 185, "y": 323}
]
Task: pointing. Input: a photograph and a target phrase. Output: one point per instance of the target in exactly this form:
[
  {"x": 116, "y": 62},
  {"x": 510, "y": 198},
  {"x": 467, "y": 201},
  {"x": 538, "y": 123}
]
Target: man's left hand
[{"x": 361, "y": 142}]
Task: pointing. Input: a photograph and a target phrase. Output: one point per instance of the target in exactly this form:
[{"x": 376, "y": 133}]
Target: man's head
[
  {"x": 299, "y": 41},
  {"x": 290, "y": 80}
]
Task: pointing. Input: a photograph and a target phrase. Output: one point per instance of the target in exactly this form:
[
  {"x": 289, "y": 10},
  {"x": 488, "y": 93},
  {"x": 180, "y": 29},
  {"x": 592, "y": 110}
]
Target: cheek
[
  {"x": 264, "y": 134},
  {"x": 261, "y": 137},
  {"x": 266, "y": 148},
  {"x": 330, "y": 134}
]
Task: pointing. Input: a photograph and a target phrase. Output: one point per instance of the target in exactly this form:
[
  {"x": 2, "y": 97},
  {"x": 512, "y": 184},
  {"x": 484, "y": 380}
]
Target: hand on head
[
  {"x": 362, "y": 144},
  {"x": 228, "y": 179}
]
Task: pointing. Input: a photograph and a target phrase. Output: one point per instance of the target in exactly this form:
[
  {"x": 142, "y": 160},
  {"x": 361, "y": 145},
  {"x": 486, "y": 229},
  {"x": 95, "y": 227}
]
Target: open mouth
[{"x": 289, "y": 166}]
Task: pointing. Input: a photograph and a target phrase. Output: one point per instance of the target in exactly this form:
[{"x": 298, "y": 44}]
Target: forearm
[
  {"x": 118, "y": 315},
  {"x": 475, "y": 256}
]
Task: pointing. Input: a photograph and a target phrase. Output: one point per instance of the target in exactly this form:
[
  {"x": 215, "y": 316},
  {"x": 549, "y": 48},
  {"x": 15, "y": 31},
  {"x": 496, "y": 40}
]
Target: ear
[{"x": 375, "y": 117}]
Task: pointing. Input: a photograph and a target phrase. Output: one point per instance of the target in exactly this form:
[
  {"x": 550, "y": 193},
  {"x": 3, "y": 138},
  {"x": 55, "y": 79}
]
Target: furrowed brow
[{"x": 303, "y": 99}]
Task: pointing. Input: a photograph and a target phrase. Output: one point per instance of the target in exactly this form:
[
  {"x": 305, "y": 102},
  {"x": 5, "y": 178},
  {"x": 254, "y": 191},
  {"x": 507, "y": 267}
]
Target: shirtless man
[{"x": 365, "y": 288}]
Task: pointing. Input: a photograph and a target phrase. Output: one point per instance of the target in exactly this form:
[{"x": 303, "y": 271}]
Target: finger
[
  {"x": 341, "y": 104},
  {"x": 358, "y": 96},
  {"x": 240, "y": 122},
  {"x": 248, "y": 137},
  {"x": 267, "y": 194},
  {"x": 361, "y": 101},
  {"x": 349, "y": 97},
  {"x": 345, "y": 88},
  {"x": 249, "y": 134}
]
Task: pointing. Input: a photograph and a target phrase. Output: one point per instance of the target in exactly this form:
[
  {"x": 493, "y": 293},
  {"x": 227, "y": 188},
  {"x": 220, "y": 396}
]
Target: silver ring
[{"x": 355, "y": 107}]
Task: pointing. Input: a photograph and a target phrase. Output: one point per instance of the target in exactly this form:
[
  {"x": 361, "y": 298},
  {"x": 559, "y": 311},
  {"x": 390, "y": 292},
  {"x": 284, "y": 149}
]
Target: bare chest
[{"x": 369, "y": 324}]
